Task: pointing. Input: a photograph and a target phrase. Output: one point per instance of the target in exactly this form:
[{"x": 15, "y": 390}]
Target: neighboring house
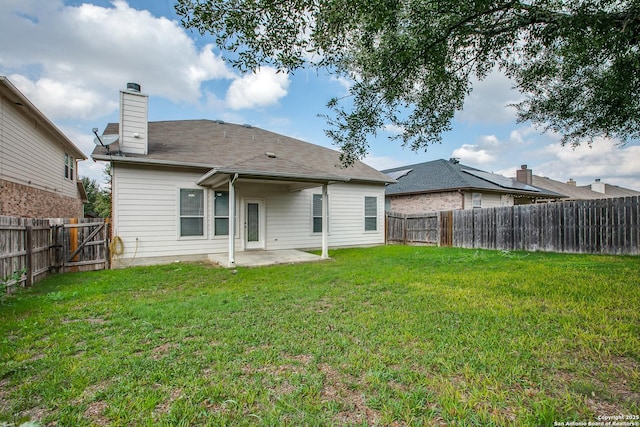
[
  {"x": 448, "y": 185},
  {"x": 38, "y": 163},
  {"x": 185, "y": 189},
  {"x": 571, "y": 191}
]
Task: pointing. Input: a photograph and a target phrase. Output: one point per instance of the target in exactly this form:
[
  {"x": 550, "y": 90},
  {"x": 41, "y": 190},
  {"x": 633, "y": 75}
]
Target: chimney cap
[
  {"x": 133, "y": 87},
  {"x": 523, "y": 167},
  {"x": 597, "y": 179}
]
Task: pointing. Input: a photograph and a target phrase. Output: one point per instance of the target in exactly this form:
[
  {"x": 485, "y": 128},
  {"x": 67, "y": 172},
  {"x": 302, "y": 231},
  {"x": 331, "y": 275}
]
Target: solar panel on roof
[
  {"x": 398, "y": 174},
  {"x": 502, "y": 181}
]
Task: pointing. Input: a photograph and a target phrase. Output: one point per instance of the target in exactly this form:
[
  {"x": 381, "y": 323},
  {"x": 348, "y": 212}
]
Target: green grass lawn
[{"x": 382, "y": 336}]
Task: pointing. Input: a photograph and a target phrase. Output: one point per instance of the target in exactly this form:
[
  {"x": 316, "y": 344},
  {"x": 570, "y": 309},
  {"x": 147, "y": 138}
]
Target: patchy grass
[{"x": 382, "y": 336}]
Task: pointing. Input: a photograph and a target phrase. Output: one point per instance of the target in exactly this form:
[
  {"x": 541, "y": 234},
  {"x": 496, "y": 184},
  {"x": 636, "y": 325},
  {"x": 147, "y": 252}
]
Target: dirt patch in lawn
[
  {"x": 612, "y": 391},
  {"x": 95, "y": 412},
  {"x": 340, "y": 388},
  {"x": 163, "y": 408},
  {"x": 161, "y": 351}
]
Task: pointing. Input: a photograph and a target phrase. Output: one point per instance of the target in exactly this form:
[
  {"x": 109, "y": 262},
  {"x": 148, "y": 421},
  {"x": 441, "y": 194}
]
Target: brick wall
[
  {"x": 432, "y": 202},
  {"x": 24, "y": 201}
]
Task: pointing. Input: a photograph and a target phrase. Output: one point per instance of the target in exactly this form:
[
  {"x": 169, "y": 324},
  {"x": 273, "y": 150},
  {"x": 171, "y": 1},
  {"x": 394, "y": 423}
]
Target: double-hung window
[
  {"x": 221, "y": 214},
  {"x": 317, "y": 213},
  {"x": 476, "y": 200},
  {"x": 191, "y": 212},
  {"x": 69, "y": 164},
  {"x": 370, "y": 213}
]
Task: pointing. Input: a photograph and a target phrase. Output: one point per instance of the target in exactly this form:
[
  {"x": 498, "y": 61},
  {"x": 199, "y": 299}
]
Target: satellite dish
[{"x": 105, "y": 140}]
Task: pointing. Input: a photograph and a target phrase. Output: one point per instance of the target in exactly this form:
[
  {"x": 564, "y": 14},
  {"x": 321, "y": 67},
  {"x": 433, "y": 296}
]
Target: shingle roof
[
  {"x": 218, "y": 145},
  {"x": 611, "y": 191},
  {"x": 571, "y": 192},
  {"x": 582, "y": 192},
  {"x": 443, "y": 175}
]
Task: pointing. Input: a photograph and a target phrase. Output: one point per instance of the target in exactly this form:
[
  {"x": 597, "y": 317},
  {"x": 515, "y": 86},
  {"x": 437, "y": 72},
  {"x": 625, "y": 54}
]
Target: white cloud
[
  {"x": 473, "y": 155},
  {"x": 260, "y": 89},
  {"x": 343, "y": 82},
  {"x": 382, "y": 162},
  {"x": 64, "y": 99},
  {"x": 604, "y": 160},
  {"x": 391, "y": 128},
  {"x": 489, "y": 100},
  {"x": 71, "y": 60},
  {"x": 489, "y": 151}
]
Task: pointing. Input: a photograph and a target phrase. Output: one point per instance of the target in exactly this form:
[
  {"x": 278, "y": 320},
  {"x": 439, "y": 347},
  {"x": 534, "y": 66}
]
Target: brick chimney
[
  {"x": 133, "y": 120},
  {"x": 524, "y": 175},
  {"x": 571, "y": 182}
]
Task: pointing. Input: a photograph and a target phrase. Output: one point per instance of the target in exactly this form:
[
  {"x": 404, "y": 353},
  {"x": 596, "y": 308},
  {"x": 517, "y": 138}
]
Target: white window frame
[
  {"x": 69, "y": 166},
  {"x": 476, "y": 200},
  {"x": 180, "y": 216},
  {"x": 365, "y": 216},
  {"x": 314, "y": 216},
  {"x": 215, "y": 198}
]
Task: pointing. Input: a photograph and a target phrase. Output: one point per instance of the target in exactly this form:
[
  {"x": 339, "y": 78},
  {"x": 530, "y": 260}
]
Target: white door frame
[{"x": 262, "y": 216}]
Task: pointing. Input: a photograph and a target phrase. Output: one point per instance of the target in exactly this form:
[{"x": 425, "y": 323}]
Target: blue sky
[{"x": 71, "y": 58}]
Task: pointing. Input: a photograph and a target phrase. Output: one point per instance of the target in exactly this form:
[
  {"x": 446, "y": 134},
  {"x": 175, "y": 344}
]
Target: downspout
[
  {"x": 325, "y": 222},
  {"x": 232, "y": 221}
]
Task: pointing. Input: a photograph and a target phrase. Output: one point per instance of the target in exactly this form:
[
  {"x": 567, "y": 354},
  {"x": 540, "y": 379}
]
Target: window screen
[
  {"x": 370, "y": 213},
  {"x": 221, "y": 214},
  {"x": 317, "y": 213},
  {"x": 191, "y": 212}
]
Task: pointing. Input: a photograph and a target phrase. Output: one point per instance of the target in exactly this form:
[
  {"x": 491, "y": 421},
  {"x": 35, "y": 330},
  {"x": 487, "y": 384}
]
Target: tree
[
  {"x": 99, "y": 199},
  {"x": 412, "y": 61}
]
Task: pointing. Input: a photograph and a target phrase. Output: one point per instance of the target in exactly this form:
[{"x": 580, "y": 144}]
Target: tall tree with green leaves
[
  {"x": 412, "y": 62},
  {"x": 99, "y": 197}
]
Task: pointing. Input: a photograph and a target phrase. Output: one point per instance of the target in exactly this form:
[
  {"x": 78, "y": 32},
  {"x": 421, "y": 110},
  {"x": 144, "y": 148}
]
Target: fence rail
[
  {"x": 605, "y": 226},
  {"x": 32, "y": 248}
]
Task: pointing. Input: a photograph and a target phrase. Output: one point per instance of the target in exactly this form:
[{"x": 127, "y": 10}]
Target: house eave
[
  {"x": 146, "y": 161},
  {"x": 215, "y": 175}
]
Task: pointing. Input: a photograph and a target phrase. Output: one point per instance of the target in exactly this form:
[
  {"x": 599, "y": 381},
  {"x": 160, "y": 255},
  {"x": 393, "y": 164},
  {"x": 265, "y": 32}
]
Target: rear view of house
[
  {"x": 185, "y": 189},
  {"x": 38, "y": 163}
]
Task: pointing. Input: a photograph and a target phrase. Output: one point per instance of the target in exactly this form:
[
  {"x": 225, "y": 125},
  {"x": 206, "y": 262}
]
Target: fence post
[
  {"x": 404, "y": 229},
  {"x": 29, "y": 255},
  {"x": 107, "y": 239},
  {"x": 73, "y": 241}
]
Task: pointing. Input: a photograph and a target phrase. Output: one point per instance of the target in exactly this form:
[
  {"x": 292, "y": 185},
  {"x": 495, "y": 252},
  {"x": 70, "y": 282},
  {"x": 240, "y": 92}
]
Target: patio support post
[
  {"x": 325, "y": 222},
  {"x": 232, "y": 221}
]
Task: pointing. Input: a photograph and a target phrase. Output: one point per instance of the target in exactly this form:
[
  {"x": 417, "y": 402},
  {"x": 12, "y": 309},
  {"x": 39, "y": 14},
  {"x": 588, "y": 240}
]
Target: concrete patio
[{"x": 261, "y": 258}]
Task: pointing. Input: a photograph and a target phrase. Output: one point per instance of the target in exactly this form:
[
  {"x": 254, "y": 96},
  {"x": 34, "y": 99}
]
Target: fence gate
[{"x": 80, "y": 244}]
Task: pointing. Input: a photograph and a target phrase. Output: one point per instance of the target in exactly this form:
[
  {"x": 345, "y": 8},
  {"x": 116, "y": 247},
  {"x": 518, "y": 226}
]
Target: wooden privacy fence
[
  {"x": 32, "y": 248},
  {"x": 605, "y": 226}
]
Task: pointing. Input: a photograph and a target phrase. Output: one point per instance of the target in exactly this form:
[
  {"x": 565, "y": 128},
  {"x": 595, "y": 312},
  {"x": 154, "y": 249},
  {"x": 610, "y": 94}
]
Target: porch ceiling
[{"x": 217, "y": 178}]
